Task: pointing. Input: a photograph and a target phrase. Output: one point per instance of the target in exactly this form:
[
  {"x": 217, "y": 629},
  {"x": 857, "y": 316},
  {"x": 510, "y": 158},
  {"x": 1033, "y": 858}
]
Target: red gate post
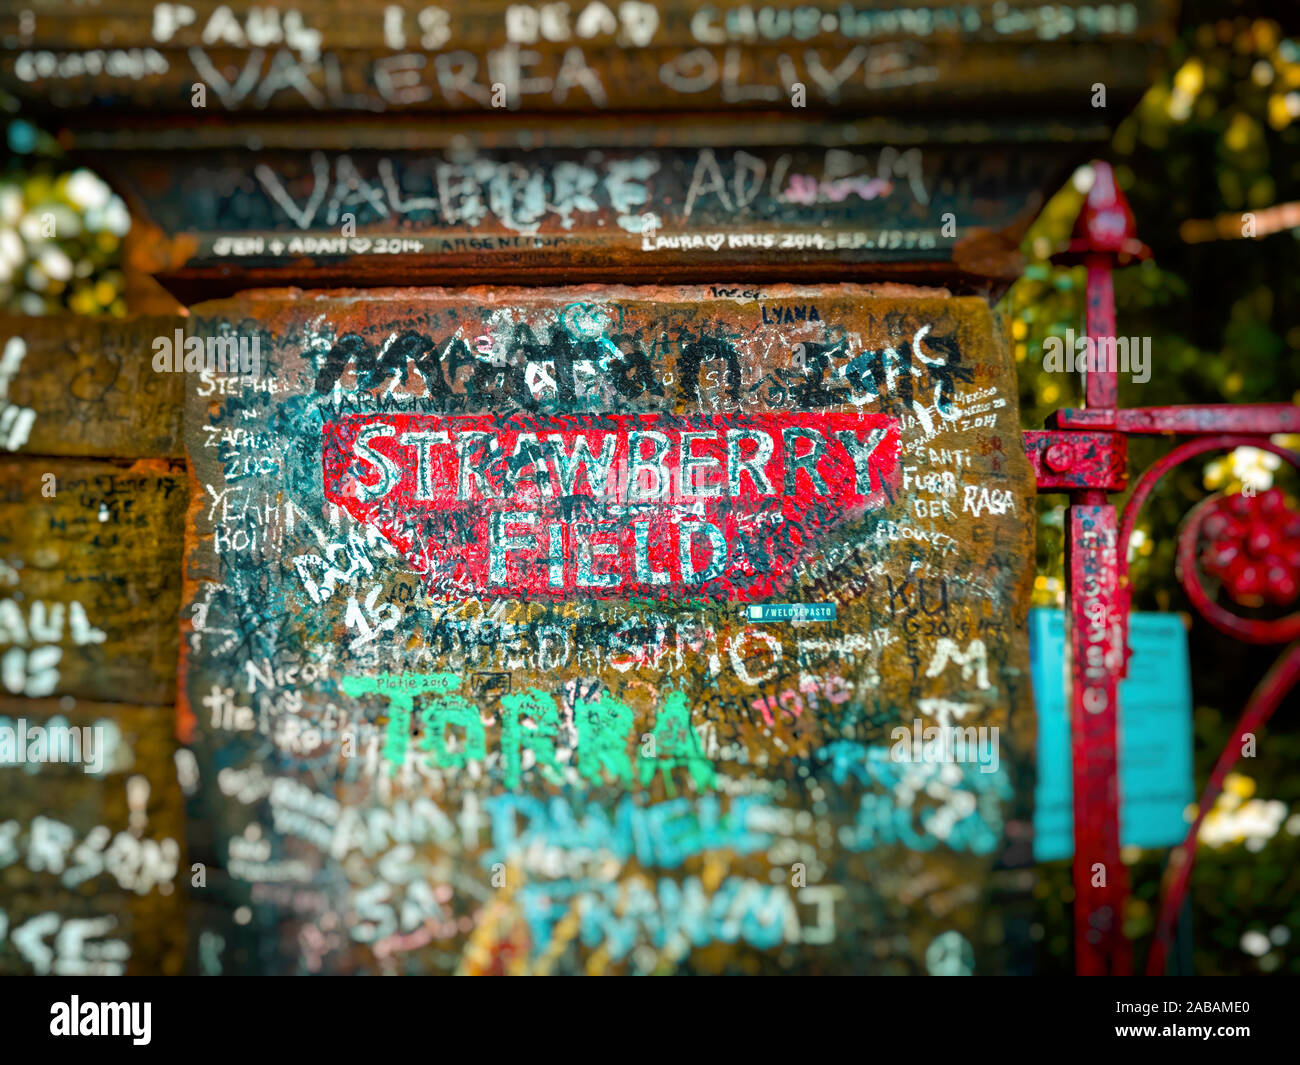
[
  {"x": 1095, "y": 637},
  {"x": 1104, "y": 237}
]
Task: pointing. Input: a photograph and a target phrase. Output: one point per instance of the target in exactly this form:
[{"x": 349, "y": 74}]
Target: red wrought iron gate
[{"x": 1250, "y": 543}]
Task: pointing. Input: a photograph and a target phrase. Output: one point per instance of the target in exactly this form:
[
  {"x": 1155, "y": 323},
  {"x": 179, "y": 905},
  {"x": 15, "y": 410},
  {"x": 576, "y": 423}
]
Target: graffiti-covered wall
[{"x": 605, "y": 629}]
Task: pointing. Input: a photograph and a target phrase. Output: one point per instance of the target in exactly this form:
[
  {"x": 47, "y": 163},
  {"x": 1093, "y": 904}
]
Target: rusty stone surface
[
  {"x": 433, "y": 768},
  {"x": 231, "y": 219},
  {"x": 671, "y": 55},
  {"x": 90, "y": 584},
  {"x": 90, "y": 861},
  {"x": 86, "y": 388}
]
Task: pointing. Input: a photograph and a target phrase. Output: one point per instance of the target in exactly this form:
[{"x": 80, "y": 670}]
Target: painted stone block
[
  {"x": 470, "y": 666},
  {"x": 92, "y": 839},
  {"x": 90, "y": 581}
]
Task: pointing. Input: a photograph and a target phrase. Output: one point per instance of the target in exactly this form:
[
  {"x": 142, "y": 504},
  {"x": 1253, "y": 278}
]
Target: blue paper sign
[{"x": 1155, "y": 735}]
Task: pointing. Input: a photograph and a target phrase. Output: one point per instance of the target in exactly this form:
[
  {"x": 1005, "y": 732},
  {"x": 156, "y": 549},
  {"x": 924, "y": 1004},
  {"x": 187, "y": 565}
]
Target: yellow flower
[
  {"x": 1190, "y": 77},
  {"x": 1239, "y": 785}
]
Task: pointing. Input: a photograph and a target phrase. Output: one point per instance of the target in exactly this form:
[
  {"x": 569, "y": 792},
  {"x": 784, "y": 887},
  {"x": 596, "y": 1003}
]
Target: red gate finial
[{"x": 1105, "y": 226}]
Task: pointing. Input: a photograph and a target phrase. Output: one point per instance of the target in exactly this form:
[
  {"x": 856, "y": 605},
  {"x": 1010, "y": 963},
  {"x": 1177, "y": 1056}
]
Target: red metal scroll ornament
[
  {"x": 1225, "y": 534},
  {"x": 1253, "y": 550},
  {"x": 1249, "y": 630},
  {"x": 1243, "y": 532}
]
